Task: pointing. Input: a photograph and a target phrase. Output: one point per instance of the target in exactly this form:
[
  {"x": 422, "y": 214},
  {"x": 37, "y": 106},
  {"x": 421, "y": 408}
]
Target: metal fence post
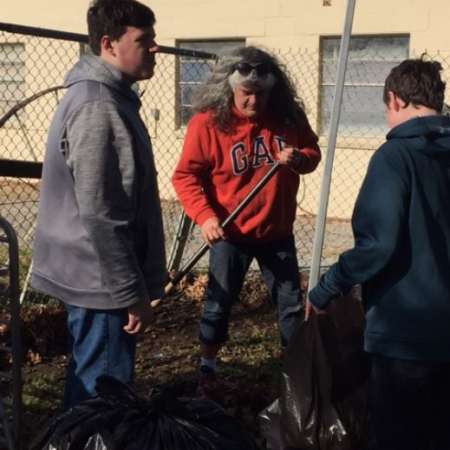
[
  {"x": 326, "y": 179},
  {"x": 10, "y": 238}
]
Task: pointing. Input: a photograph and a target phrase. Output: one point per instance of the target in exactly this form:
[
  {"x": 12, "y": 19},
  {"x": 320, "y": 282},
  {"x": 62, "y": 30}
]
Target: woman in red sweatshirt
[{"x": 248, "y": 117}]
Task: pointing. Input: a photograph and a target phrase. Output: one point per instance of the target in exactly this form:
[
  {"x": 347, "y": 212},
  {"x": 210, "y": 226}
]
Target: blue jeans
[
  {"x": 99, "y": 347},
  {"x": 228, "y": 264}
]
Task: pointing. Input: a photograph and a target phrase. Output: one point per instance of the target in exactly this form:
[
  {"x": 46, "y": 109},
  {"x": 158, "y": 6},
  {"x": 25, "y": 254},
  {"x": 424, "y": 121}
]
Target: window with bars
[
  {"x": 193, "y": 71},
  {"x": 12, "y": 75},
  {"x": 369, "y": 62}
]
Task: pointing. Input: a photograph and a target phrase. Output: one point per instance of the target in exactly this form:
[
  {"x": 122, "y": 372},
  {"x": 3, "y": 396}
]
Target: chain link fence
[{"x": 32, "y": 67}]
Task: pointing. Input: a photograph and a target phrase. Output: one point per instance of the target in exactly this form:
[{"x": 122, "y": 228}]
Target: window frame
[
  {"x": 323, "y": 131},
  {"x": 184, "y": 44},
  {"x": 18, "y": 79}
]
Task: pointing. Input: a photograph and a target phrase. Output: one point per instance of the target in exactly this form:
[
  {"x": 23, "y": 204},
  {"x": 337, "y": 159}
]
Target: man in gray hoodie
[{"x": 99, "y": 244}]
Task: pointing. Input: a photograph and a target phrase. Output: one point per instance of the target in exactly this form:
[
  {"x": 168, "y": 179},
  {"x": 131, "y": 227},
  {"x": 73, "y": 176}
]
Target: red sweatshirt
[{"x": 217, "y": 170}]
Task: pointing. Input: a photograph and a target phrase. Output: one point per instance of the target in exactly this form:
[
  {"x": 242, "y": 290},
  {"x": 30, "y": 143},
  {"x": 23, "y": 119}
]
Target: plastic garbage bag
[
  {"x": 95, "y": 442},
  {"x": 323, "y": 400},
  {"x": 269, "y": 421},
  {"x": 118, "y": 419}
]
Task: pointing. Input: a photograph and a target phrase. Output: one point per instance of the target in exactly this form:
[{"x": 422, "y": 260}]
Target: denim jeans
[
  {"x": 228, "y": 264},
  {"x": 409, "y": 404},
  {"x": 99, "y": 347}
]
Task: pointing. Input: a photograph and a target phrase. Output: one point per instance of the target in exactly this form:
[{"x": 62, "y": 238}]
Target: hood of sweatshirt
[
  {"x": 93, "y": 68},
  {"x": 429, "y": 134}
]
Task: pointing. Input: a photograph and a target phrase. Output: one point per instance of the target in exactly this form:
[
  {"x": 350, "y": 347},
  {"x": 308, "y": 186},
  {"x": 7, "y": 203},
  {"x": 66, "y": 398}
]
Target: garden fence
[{"x": 33, "y": 63}]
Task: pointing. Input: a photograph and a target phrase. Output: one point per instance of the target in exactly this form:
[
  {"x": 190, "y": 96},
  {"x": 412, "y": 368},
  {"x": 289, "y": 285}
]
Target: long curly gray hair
[{"x": 216, "y": 94}]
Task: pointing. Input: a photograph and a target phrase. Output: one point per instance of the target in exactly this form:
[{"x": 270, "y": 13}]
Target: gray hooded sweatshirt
[{"x": 99, "y": 240}]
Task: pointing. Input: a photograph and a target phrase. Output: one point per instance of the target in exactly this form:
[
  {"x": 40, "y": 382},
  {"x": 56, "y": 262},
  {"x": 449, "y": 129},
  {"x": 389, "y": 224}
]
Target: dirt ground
[{"x": 167, "y": 355}]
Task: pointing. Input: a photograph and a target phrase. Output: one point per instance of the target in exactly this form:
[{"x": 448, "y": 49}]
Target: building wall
[
  {"x": 285, "y": 26},
  {"x": 277, "y": 23}
]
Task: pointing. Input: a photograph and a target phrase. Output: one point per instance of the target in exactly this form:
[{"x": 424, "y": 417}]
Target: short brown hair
[
  {"x": 417, "y": 82},
  {"x": 111, "y": 17}
]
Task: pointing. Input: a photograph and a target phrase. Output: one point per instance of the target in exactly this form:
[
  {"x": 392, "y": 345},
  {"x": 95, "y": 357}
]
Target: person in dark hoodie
[
  {"x": 401, "y": 256},
  {"x": 99, "y": 244}
]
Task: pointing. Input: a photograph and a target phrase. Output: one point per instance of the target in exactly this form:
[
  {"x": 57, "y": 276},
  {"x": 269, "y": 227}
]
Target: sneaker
[{"x": 208, "y": 385}]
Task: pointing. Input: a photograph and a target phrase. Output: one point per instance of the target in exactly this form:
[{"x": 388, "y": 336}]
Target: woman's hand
[{"x": 212, "y": 231}]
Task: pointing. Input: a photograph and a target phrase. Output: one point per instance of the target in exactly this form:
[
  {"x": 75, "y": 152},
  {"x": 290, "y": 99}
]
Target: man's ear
[
  {"x": 106, "y": 46},
  {"x": 395, "y": 102}
]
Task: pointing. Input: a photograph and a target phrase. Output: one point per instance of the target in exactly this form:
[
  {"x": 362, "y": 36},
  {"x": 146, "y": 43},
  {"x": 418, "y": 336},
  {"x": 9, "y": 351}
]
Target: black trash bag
[
  {"x": 80, "y": 428},
  {"x": 323, "y": 400},
  {"x": 118, "y": 419},
  {"x": 95, "y": 442},
  {"x": 269, "y": 422}
]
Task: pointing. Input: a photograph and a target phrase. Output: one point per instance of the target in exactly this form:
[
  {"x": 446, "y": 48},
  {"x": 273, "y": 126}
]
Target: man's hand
[
  {"x": 310, "y": 308},
  {"x": 212, "y": 231},
  {"x": 291, "y": 157},
  {"x": 140, "y": 315}
]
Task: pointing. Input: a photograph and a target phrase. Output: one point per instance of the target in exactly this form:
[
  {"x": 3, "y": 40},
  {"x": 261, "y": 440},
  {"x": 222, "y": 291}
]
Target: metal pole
[
  {"x": 185, "y": 52},
  {"x": 328, "y": 169},
  {"x": 13, "y": 248},
  {"x": 23, "y": 293},
  {"x": 83, "y": 38},
  {"x": 179, "y": 243}
]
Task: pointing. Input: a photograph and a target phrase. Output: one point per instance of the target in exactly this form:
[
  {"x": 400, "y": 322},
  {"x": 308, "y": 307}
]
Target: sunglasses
[{"x": 245, "y": 69}]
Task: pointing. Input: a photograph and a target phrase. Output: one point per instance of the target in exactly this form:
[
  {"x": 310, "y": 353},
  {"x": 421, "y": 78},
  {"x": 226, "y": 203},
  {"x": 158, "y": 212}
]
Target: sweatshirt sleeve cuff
[
  {"x": 326, "y": 290},
  {"x": 204, "y": 216},
  {"x": 320, "y": 298}
]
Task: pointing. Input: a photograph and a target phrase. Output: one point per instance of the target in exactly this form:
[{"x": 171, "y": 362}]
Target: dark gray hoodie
[
  {"x": 401, "y": 256},
  {"x": 99, "y": 239}
]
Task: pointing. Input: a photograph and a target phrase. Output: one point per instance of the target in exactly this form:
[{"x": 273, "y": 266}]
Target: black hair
[
  {"x": 417, "y": 82},
  {"x": 111, "y": 17}
]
